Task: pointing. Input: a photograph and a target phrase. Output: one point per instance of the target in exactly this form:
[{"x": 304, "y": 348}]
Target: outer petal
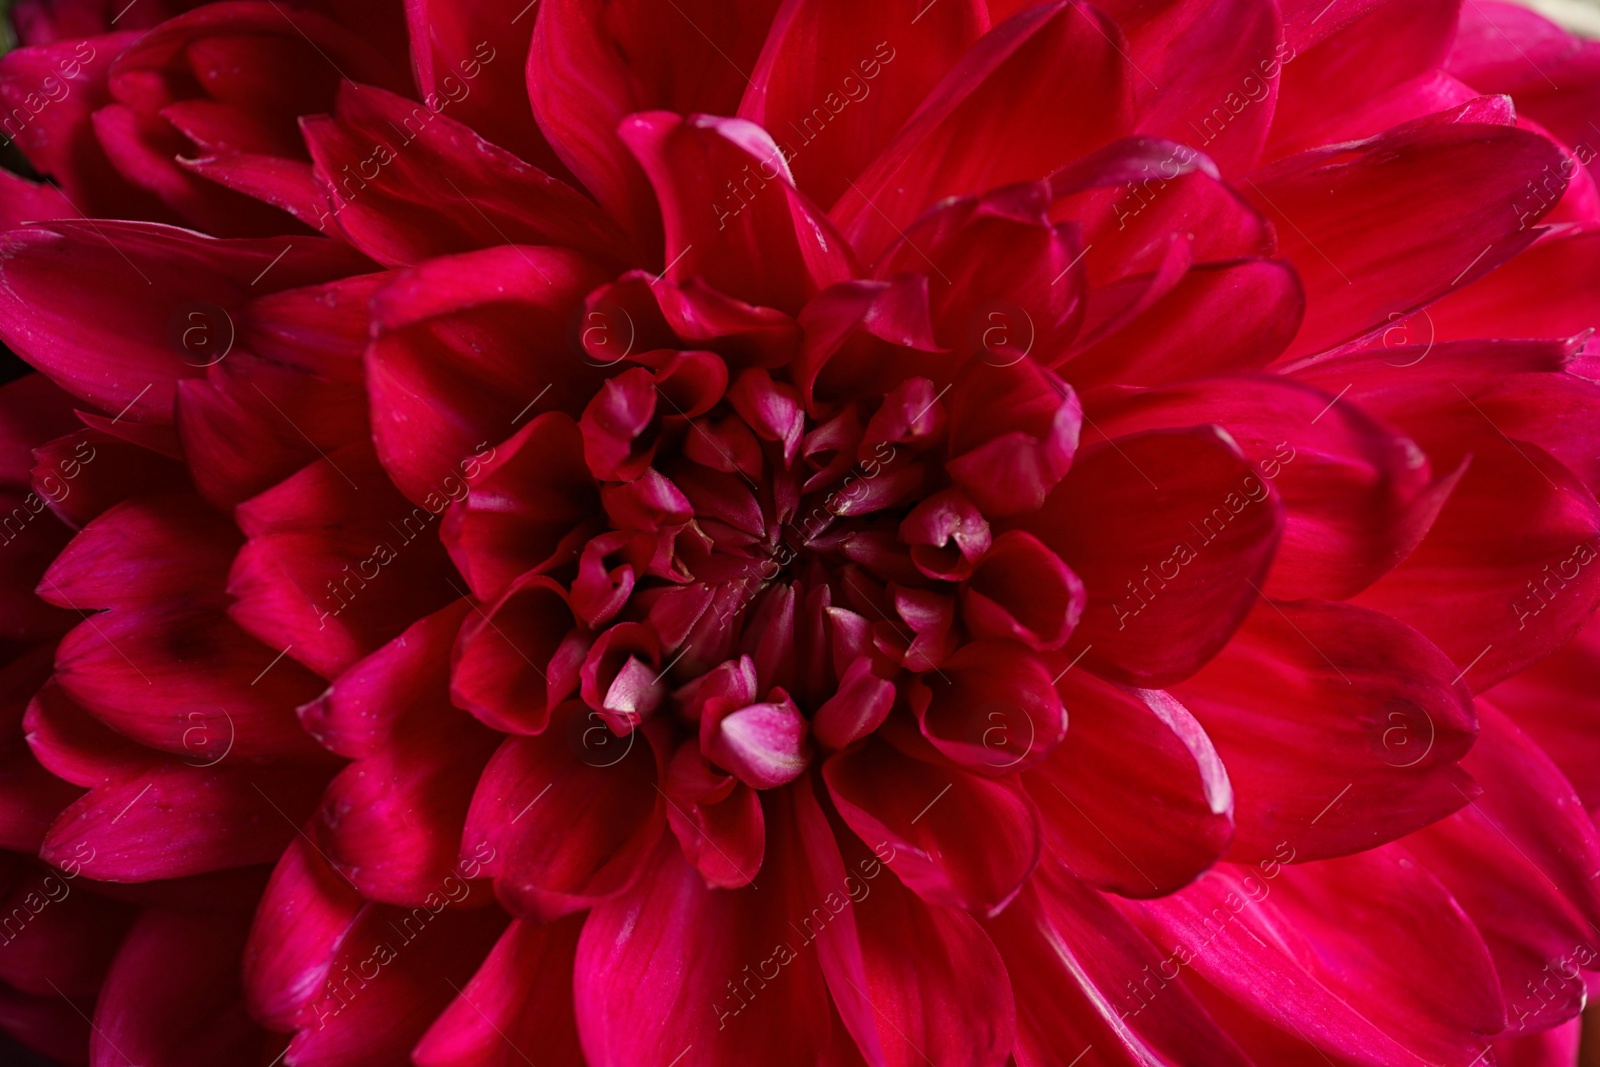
[
  {"x": 393, "y": 818},
  {"x": 1073, "y": 962},
  {"x": 911, "y": 981},
  {"x": 1553, "y": 1048},
  {"x": 592, "y": 63},
  {"x": 1381, "y": 228},
  {"x": 672, "y": 970},
  {"x": 59, "y": 139},
  {"x": 1509, "y": 616},
  {"x": 1172, "y": 533},
  {"x": 518, "y": 1004},
  {"x": 1554, "y": 702},
  {"x": 252, "y": 423},
  {"x": 1340, "y": 728},
  {"x": 1357, "y": 495},
  {"x": 464, "y": 345},
  {"x": 1553, "y": 75},
  {"x": 1330, "y": 87},
  {"x": 391, "y": 822},
  {"x": 1135, "y": 799},
  {"x": 391, "y": 975},
  {"x": 358, "y": 714},
  {"x": 307, "y": 908},
  {"x": 773, "y": 249},
  {"x": 817, "y": 84},
  {"x": 139, "y": 278},
  {"x": 1540, "y": 293},
  {"x": 437, "y": 187},
  {"x": 164, "y": 666},
  {"x": 1289, "y": 944},
  {"x": 979, "y": 128},
  {"x": 1527, "y": 802},
  {"x": 337, "y": 563},
  {"x": 57, "y": 934},
  {"x": 469, "y": 55},
  {"x": 174, "y": 820},
  {"x": 1208, "y": 73},
  {"x": 1220, "y": 318},
  {"x": 1519, "y": 520},
  {"x": 974, "y": 853},
  {"x": 173, "y": 995},
  {"x": 569, "y": 821}
]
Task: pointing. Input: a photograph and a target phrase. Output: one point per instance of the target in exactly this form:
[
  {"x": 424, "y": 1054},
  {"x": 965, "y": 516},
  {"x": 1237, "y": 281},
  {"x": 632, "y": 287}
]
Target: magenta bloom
[{"x": 811, "y": 533}]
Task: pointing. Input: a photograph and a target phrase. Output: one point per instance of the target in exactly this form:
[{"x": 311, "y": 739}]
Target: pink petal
[
  {"x": 671, "y": 969},
  {"x": 1341, "y": 76},
  {"x": 765, "y": 242},
  {"x": 911, "y": 981},
  {"x": 172, "y": 820},
  {"x": 173, "y": 995},
  {"x": 1164, "y": 594},
  {"x": 1357, "y": 495},
  {"x": 972, "y": 849},
  {"x": 519, "y": 999},
  {"x": 1082, "y": 974},
  {"x": 51, "y": 275},
  {"x": 358, "y": 714},
  {"x": 337, "y": 563},
  {"x": 525, "y": 500},
  {"x": 481, "y": 336},
  {"x": 393, "y": 973},
  {"x": 820, "y": 83},
  {"x": 583, "y": 77},
  {"x": 1415, "y": 235},
  {"x": 1217, "y": 88},
  {"x": 1289, "y": 945},
  {"x": 517, "y": 659},
  {"x": 382, "y": 162},
  {"x": 1220, "y": 318},
  {"x": 1135, "y": 799},
  {"x": 568, "y": 818},
  {"x": 469, "y": 57},
  {"x": 307, "y": 909},
  {"x": 978, "y": 129},
  {"x": 1340, "y": 727}
]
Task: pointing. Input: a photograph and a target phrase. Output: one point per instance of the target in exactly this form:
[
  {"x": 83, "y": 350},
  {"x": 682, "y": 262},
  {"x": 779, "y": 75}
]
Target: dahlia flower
[{"x": 729, "y": 532}]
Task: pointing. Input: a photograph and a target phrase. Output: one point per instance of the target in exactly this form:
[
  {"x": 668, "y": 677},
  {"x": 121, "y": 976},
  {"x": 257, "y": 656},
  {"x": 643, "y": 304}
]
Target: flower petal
[
  {"x": 587, "y": 69},
  {"x": 1381, "y": 228},
  {"x": 138, "y": 278},
  {"x": 972, "y": 850},
  {"x": 1070, "y": 957},
  {"x": 173, "y": 995},
  {"x": 979, "y": 127},
  {"x": 912, "y": 982},
  {"x": 1357, "y": 495},
  {"x": 337, "y": 563},
  {"x": 1341, "y": 728},
  {"x": 520, "y": 998},
  {"x": 173, "y": 820},
  {"x": 816, "y": 84},
  {"x": 1286, "y": 943},
  {"x": 1135, "y": 799},
  {"x": 674, "y": 970},
  {"x": 1172, "y": 532},
  {"x": 765, "y": 243},
  {"x": 568, "y": 818},
  {"x": 406, "y": 183},
  {"x": 465, "y": 344}
]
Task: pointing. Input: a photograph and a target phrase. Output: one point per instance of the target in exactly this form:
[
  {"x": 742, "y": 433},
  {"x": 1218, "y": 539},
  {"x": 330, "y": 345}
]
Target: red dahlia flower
[{"x": 800, "y": 533}]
